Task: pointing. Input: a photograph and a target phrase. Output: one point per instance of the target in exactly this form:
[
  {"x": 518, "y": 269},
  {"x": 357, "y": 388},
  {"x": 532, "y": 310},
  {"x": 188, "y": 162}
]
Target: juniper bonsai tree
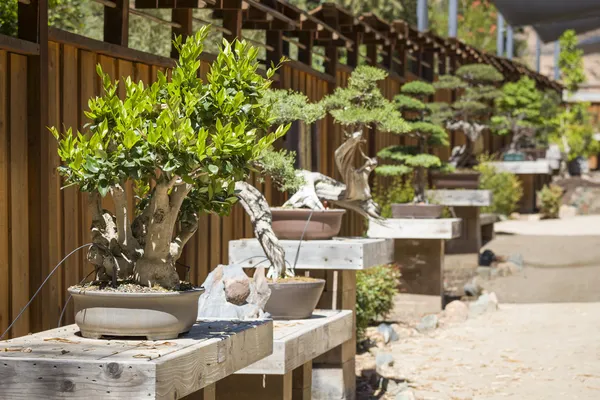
[
  {"x": 518, "y": 112},
  {"x": 472, "y": 111},
  {"x": 425, "y": 128},
  {"x": 184, "y": 143}
]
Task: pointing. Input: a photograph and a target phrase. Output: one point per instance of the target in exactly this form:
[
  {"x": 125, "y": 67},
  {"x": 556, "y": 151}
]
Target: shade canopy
[{"x": 550, "y": 18}]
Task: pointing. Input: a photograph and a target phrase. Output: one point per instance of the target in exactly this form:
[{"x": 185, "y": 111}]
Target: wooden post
[
  {"x": 331, "y": 52},
  {"x": 33, "y": 26},
  {"x": 232, "y": 21},
  {"x": 305, "y": 55},
  {"x": 427, "y": 72},
  {"x": 372, "y": 54},
  {"x": 354, "y": 53},
  {"x": 274, "y": 40},
  {"x": 183, "y": 16},
  {"x": 116, "y": 23}
]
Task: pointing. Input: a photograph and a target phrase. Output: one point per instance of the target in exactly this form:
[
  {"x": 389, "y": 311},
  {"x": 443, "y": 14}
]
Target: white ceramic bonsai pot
[
  {"x": 289, "y": 223},
  {"x": 157, "y": 315},
  {"x": 294, "y": 299},
  {"x": 419, "y": 211}
]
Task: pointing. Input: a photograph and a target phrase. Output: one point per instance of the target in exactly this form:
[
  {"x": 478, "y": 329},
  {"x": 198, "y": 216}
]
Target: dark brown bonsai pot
[
  {"x": 419, "y": 211},
  {"x": 289, "y": 223},
  {"x": 294, "y": 298},
  {"x": 455, "y": 180}
]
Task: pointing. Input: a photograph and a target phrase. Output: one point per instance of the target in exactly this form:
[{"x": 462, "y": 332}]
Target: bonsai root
[{"x": 156, "y": 272}]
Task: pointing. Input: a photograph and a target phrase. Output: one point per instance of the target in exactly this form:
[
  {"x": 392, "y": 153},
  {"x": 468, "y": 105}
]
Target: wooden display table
[
  {"x": 336, "y": 261},
  {"x": 288, "y": 370},
  {"x": 60, "y": 364},
  {"x": 487, "y": 228},
  {"x": 419, "y": 249},
  {"x": 466, "y": 205},
  {"x": 533, "y": 175}
]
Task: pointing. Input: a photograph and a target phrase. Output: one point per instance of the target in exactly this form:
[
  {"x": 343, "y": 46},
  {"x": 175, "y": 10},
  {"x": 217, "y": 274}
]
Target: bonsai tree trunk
[
  {"x": 472, "y": 131},
  {"x": 258, "y": 210},
  {"x": 420, "y": 178}
]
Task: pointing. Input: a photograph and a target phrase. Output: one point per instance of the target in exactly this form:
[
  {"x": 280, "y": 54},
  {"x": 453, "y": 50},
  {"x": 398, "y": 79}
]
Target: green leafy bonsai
[
  {"x": 427, "y": 131},
  {"x": 472, "y": 111},
  {"x": 519, "y": 112},
  {"x": 183, "y": 143}
]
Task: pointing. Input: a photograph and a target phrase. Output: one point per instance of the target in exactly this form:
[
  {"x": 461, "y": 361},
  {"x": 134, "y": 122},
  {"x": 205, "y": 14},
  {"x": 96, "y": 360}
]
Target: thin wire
[
  {"x": 40, "y": 288},
  {"x": 62, "y": 313}
]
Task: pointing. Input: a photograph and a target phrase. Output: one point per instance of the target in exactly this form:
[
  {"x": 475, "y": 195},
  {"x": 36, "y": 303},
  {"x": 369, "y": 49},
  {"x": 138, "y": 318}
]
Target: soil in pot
[
  {"x": 455, "y": 180},
  {"x": 130, "y": 310},
  {"x": 289, "y": 223},
  {"x": 419, "y": 211},
  {"x": 294, "y": 298}
]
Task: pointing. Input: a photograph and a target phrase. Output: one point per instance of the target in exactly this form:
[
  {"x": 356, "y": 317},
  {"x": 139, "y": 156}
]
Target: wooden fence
[{"x": 40, "y": 223}]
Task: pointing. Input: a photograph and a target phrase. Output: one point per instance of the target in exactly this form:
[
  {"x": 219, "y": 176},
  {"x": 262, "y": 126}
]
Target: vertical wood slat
[
  {"x": 19, "y": 198},
  {"x": 4, "y": 193}
]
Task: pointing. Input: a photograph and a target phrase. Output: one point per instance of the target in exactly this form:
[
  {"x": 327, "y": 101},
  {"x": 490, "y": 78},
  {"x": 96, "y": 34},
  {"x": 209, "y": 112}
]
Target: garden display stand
[
  {"x": 532, "y": 174},
  {"x": 466, "y": 205},
  {"x": 287, "y": 373},
  {"x": 337, "y": 261},
  {"x": 60, "y": 364},
  {"x": 419, "y": 248}
]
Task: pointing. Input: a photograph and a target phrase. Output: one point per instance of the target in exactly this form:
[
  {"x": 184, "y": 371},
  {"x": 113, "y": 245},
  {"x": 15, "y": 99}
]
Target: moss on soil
[{"x": 129, "y": 287}]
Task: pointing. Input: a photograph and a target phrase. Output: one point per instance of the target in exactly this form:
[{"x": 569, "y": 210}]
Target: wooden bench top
[
  {"x": 541, "y": 167},
  {"x": 487, "y": 219},
  {"x": 400, "y": 228},
  {"x": 60, "y": 364},
  {"x": 461, "y": 197},
  {"x": 334, "y": 254},
  {"x": 297, "y": 342}
]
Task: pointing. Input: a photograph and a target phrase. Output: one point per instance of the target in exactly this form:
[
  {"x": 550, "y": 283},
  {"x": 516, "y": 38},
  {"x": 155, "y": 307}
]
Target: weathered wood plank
[
  {"x": 461, "y": 198},
  {"x": 297, "y": 342},
  {"x": 394, "y": 228},
  {"x": 4, "y": 193},
  {"x": 19, "y": 215},
  {"x": 523, "y": 167},
  {"x": 336, "y": 254},
  {"x": 59, "y": 364}
]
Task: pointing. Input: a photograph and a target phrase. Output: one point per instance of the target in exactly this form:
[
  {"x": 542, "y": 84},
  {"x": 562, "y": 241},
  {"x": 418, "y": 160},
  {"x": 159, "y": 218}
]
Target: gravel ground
[{"x": 521, "y": 352}]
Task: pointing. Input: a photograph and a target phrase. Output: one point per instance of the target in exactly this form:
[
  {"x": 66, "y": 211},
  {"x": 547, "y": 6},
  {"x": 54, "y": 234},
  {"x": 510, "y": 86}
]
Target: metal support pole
[
  {"x": 556, "y": 57},
  {"x": 510, "y": 48},
  {"x": 422, "y": 16},
  {"x": 453, "y": 19},
  {"x": 500, "y": 36}
]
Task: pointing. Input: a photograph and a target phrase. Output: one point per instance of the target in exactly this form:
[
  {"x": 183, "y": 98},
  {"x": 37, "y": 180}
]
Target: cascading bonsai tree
[
  {"x": 425, "y": 127},
  {"x": 184, "y": 143},
  {"x": 472, "y": 110},
  {"x": 519, "y": 112}
]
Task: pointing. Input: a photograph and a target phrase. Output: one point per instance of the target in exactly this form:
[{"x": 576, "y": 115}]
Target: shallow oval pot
[
  {"x": 419, "y": 211},
  {"x": 289, "y": 223},
  {"x": 157, "y": 316},
  {"x": 294, "y": 299},
  {"x": 455, "y": 180}
]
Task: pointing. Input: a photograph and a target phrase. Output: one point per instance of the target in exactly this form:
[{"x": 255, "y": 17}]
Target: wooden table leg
[
  {"x": 208, "y": 393},
  {"x": 302, "y": 382},
  {"x": 255, "y": 387}
]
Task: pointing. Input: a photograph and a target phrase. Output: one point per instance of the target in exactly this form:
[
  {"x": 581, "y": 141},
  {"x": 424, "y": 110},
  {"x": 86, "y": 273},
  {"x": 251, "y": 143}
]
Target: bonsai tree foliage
[
  {"x": 422, "y": 127},
  {"x": 358, "y": 107},
  {"x": 184, "y": 143},
  {"x": 519, "y": 112},
  {"x": 471, "y": 112},
  {"x": 573, "y": 130}
]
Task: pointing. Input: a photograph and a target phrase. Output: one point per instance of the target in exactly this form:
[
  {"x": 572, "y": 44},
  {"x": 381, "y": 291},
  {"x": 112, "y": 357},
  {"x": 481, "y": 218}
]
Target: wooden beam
[
  {"x": 305, "y": 39},
  {"x": 154, "y": 19},
  {"x": 372, "y": 54},
  {"x": 331, "y": 52},
  {"x": 232, "y": 21},
  {"x": 183, "y": 17},
  {"x": 19, "y": 46},
  {"x": 354, "y": 52},
  {"x": 116, "y": 23},
  {"x": 276, "y": 14},
  {"x": 171, "y": 4},
  {"x": 212, "y": 25}
]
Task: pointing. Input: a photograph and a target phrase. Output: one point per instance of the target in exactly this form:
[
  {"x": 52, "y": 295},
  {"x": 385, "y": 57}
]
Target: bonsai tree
[
  {"x": 184, "y": 144},
  {"x": 358, "y": 107},
  {"x": 518, "y": 112},
  {"x": 470, "y": 113},
  {"x": 573, "y": 130},
  {"x": 427, "y": 132}
]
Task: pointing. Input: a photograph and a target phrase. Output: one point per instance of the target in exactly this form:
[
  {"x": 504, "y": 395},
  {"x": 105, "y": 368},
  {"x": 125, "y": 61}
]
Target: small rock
[
  {"x": 392, "y": 387},
  {"x": 517, "y": 259},
  {"x": 473, "y": 288},
  {"x": 486, "y": 258},
  {"x": 484, "y": 272},
  {"x": 513, "y": 268},
  {"x": 503, "y": 269},
  {"x": 237, "y": 290},
  {"x": 485, "y": 303},
  {"x": 456, "y": 312},
  {"x": 403, "y": 331},
  {"x": 428, "y": 323},
  {"x": 389, "y": 335},
  {"x": 405, "y": 395},
  {"x": 383, "y": 360},
  {"x": 515, "y": 215}
]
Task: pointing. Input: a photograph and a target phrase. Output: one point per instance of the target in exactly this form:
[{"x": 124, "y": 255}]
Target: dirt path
[{"x": 522, "y": 351}]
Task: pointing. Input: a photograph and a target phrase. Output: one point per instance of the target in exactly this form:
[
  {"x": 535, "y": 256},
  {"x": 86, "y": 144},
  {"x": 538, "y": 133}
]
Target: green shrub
[
  {"x": 550, "y": 199},
  {"x": 375, "y": 290},
  {"x": 400, "y": 191},
  {"x": 506, "y": 189}
]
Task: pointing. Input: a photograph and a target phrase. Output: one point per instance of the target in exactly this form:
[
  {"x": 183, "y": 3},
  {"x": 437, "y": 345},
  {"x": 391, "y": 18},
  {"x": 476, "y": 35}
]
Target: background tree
[
  {"x": 471, "y": 112},
  {"x": 411, "y": 102},
  {"x": 63, "y": 14},
  {"x": 518, "y": 112}
]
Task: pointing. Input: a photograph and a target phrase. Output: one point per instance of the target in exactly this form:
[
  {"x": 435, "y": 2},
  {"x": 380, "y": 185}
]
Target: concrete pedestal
[
  {"x": 336, "y": 261},
  {"x": 532, "y": 174},
  {"x": 419, "y": 250}
]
